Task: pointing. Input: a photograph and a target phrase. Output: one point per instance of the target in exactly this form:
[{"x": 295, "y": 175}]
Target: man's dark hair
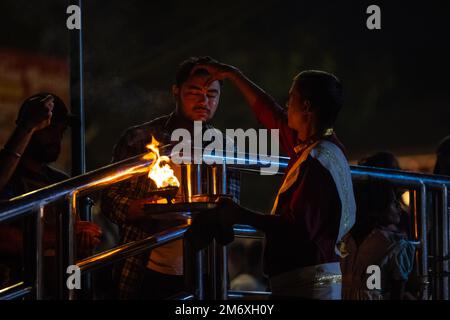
[
  {"x": 324, "y": 92},
  {"x": 185, "y": 68}
]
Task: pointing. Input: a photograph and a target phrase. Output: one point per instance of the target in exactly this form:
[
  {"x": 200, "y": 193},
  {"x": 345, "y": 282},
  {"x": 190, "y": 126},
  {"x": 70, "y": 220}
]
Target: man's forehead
[{"x": 202, "y": 81}]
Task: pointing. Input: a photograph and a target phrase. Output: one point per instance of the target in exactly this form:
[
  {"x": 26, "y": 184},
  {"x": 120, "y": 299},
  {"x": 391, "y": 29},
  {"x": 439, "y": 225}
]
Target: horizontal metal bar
[
  {"x": 98, "y": 178},
  {"x": 15, "y": 291},
  {"x": 362, "y": 171},
  {"x": 131, "y": 248},
  {"x": 242, "y": 294},
  {"x": 244, "y": 231},
  {"x": 138, "y": 165},
  {"x": 389, "y": 174},
  {"x": 184, "y": 296}
]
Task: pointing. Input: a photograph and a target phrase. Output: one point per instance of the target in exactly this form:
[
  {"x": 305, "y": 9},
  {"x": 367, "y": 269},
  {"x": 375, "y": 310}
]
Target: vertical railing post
[
  {"x": 193, "y": 265},
  {"x": 217, "y": 271},
  {"x": 189, "y": 266},
  {"x": 77, "y": 109},
  {"x": 436, "y": 246},
  {"x": 77, "y": 96},
  {"x": 422, "y": 199},
  {"x": 444, "y": 242},
  {"x": 67, "y": 246},
  {"x": 212, "y": 270},
  {"x": 200, "y": 284},
  {"x": 223, "y": 288},
  {"x": 39, "y": 281}
]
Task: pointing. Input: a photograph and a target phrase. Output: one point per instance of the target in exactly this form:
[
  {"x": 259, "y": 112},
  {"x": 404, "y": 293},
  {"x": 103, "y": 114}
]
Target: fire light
[{"x": 160, "y": 171}]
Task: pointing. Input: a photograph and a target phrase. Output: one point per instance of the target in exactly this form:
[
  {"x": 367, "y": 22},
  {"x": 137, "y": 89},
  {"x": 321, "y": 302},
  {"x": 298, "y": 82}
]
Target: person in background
[
  {"x": 381, "y": 159},
  {"x": 25, "y": 166},
  {"x": 442, "y": 165},
  {"x": 375, "y": 240}
]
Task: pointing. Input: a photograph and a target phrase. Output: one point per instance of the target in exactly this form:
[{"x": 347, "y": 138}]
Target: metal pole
[
  {"x": 444, "y": 242},
  {"x": 223, "y": 288},
  {"x": 436, "y": 233},
  {"x": 77, "y": 97},
  {"x": 200, "y": 290},
  {"x": 78, "y": 131},
  {"x": 131, "y": 248},
  {"x": 422, "y": 197},
  {"x": 212, "y": 252},
  {"x": 218, "y": 271},
  {"x": 16, "y": 291},
  {"x": 189, "y": 265},
  {"x": 414, "y": 219},
  {"x": 67, "y": 250},
  {"x": 416, "y": 235},
  {"x": 39, "y": 283}
]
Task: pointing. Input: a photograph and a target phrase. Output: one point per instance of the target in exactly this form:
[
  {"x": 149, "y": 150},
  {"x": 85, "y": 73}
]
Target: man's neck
[{"x": 180, "y": 121}]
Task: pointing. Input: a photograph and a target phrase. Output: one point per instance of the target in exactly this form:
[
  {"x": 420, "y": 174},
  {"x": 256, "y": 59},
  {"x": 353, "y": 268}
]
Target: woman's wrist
[{"x": 233, "y": 73}]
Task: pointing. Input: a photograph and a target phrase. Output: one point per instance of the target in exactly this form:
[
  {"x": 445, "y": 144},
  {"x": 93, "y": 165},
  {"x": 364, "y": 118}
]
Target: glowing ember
[{"x": 160, "y": 171}]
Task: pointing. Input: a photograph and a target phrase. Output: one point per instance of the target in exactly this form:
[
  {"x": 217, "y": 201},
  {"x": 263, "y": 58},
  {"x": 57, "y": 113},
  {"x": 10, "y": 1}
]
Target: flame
[{"x": 160, "y": 171}]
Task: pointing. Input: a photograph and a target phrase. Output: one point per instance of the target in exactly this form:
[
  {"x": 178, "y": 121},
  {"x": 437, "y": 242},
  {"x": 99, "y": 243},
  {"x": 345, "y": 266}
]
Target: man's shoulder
[
  {"x": 151, "y": 125},
  {"x": 145, "y": 130}
]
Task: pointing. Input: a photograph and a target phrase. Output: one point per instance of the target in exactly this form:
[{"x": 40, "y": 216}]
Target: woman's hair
[
  {"x": 374, "y": 200},
  {"x": 381, "y": 159},
  {"x": 324, "y": 92}
]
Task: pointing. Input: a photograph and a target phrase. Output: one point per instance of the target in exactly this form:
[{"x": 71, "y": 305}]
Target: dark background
[{"x": 395, "y": 79}]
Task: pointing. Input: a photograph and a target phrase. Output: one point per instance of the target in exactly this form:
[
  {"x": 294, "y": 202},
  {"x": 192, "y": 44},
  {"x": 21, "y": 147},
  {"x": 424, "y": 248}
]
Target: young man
[
  {"x": 24, "y": 167},
  {"x": 315, "y": 206},
  {"x": 160, "y": 275}
]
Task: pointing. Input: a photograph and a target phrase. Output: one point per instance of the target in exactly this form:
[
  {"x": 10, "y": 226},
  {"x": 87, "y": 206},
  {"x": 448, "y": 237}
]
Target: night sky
[{"x": 396, "y": 79}]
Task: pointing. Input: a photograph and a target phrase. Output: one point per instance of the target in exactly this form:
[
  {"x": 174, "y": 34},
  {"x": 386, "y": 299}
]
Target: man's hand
[
  {"x": 37, "y": 113},
  {"x": 136, "y": 208},
  {"x": 87, "y": 235}
]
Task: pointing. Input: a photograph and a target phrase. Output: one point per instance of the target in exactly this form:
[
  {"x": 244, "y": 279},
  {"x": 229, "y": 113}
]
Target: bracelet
[{"x": 13, "y": 153}]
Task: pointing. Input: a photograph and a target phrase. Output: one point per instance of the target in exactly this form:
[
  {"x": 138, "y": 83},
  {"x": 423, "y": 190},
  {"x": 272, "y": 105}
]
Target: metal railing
[
  {"x": 33, "y": 204},
  {"x": 421, "y": 187}
]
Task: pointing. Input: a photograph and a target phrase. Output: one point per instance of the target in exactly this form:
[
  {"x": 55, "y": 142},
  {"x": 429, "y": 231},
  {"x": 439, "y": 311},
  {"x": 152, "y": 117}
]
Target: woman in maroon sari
[{"x": 315, "y": 206}]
